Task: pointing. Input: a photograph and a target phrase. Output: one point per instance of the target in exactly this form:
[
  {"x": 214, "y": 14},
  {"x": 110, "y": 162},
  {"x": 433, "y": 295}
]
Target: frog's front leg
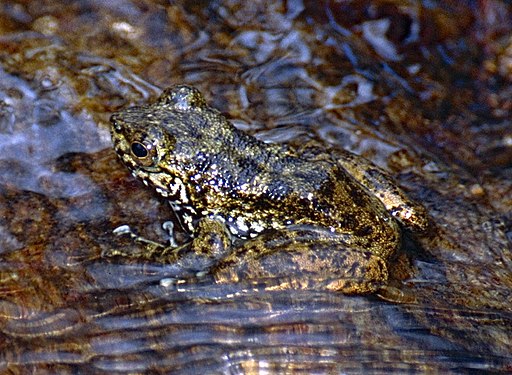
[
  {"x": 211, "y": 241},
  {"x": 303, "y": 258},
  {"x": 147, "y": 250}
]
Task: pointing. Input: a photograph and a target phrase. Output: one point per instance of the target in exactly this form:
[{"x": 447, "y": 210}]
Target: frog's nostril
[{"x": 115, "y": 124}]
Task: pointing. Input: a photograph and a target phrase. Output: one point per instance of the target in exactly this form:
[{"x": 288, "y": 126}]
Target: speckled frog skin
[{"x": 255, "y": 211}]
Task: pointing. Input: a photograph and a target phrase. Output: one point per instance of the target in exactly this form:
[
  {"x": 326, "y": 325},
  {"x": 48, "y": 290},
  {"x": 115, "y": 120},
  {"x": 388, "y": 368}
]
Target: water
[{"x": 286, "y": 73}]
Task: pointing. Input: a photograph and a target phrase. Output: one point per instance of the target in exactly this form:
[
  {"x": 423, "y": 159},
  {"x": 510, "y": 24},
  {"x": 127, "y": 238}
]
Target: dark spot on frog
[{"x": 364, "y": 231}]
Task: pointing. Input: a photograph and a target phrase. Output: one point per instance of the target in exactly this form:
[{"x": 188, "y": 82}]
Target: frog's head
[{"x": 170, "y": 143}]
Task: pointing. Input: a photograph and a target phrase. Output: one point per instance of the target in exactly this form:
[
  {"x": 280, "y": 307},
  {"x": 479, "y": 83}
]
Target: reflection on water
[
  {"x": 37, "y": 128},
  {"x": 198, "y": 328},
  {"x": 423, "y": 94}
]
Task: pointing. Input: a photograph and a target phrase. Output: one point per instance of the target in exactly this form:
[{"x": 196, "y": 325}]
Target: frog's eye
[
  {"x": 145, "y": 153},
  {"x": 139, "y": 150}
]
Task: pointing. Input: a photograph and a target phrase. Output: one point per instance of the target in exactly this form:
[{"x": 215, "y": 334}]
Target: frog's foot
[
  {"x": 148, "y": 251},
  {"x": 126, "y": 230}
]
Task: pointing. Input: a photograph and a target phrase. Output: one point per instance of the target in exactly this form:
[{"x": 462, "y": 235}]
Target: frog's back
[
  {"x": 292, "y": 190},
  {"x": 326, "y": 195}
]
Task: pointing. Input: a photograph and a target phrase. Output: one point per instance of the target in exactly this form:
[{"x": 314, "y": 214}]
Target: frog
[{"x": 303, "y": 217}]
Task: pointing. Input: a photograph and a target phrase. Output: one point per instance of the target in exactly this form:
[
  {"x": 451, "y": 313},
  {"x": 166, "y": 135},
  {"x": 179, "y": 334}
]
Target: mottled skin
[{"x": 306, "y": 218}]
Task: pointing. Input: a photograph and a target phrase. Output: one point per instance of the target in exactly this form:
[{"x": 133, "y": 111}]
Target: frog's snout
[{"x": 114, "y": 120}]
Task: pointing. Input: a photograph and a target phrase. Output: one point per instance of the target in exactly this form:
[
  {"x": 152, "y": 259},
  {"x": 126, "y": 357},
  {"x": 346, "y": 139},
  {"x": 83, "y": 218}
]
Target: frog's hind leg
[
  {"x": 285, "y": 263},
  {"x": 382, "y": 186}
]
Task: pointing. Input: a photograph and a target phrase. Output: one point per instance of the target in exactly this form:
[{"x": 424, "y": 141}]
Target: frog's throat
[
  {"x": 174, "y": 190},
  {"x": 170, "y": 187}
]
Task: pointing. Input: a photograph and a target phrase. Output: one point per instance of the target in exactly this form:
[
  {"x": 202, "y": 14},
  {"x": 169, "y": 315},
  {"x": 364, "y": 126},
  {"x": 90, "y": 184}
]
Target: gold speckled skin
[{"x": 307, "y": 218}]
